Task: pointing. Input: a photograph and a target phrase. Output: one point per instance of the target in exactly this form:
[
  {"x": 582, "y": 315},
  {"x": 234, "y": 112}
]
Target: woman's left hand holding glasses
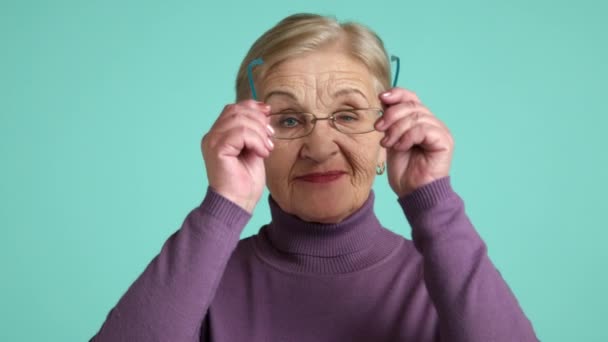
[{"x": 419, "y": 146}]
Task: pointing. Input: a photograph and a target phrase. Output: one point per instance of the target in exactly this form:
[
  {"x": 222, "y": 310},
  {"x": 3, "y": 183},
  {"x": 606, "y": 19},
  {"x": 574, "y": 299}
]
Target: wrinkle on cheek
[
  {"x": 362, "y": 175},
  {"x": 281, "y": 166},
  {"x": 362, "y": 172}
]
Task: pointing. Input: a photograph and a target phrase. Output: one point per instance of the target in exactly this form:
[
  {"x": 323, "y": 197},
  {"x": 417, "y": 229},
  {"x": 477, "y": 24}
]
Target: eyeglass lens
[{"x": 293, "y": 125}]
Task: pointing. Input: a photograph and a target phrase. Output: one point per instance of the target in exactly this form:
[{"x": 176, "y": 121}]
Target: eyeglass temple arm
[
  {"x": 397, "y": 67},
  {"x": 252, "y": 64}
]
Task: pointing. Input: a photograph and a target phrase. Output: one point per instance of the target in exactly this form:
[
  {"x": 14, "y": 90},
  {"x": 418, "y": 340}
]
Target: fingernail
[
  {"x": 386, "y": 94},
  {"x": 270, "y": 143},
  {"x": 263, "y": 105},
  {"x": 270, "y": 129},
  {"x": 384, "y": 140},
  {"x": 379, "y": 124}
]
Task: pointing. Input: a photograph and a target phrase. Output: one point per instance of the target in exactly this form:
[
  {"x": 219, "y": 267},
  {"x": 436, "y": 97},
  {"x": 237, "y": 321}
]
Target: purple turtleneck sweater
[{"x": 302, "y": 281}]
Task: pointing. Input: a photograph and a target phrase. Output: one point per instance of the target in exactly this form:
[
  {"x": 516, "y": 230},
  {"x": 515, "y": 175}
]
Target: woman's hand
[
  {"x": 234, "y": 151},
  {"x": 419, "y": 146}
]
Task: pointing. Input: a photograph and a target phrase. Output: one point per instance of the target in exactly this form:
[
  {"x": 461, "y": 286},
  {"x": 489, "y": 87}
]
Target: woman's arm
[
  {"x": 169, "y": 300},
  {"x": 473, "y": 301}
]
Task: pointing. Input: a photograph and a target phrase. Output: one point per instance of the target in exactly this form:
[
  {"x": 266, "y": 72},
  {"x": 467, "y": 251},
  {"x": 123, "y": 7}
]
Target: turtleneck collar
[{"x": 299, "y": 246}]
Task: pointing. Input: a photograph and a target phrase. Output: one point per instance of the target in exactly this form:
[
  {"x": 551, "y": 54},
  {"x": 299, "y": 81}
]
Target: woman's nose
[{"x": 320, "y": 144}]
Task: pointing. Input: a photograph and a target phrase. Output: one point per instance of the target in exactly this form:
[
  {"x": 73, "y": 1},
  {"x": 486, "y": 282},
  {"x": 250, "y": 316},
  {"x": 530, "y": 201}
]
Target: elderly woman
[{"x": 325, "y": 124}]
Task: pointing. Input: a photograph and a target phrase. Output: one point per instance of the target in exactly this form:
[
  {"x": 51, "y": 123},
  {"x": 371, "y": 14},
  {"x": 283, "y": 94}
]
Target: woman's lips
[{"x": 321, "y": 177}]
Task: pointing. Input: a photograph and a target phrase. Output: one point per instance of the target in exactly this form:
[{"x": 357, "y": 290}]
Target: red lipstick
[{"x": 321, "y": 177}]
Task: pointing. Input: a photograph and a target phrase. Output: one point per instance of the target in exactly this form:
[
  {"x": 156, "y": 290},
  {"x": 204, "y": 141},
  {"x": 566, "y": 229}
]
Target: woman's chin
[{"x": 331, "y": 203}]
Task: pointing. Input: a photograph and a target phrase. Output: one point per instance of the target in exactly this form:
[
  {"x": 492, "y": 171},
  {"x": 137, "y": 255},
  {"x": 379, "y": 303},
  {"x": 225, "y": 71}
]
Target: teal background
[{"x": 103, "y": 105}]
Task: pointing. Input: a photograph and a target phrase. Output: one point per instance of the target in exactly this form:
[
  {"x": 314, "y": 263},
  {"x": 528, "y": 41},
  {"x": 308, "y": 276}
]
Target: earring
[{"x": 380, "y": 168}]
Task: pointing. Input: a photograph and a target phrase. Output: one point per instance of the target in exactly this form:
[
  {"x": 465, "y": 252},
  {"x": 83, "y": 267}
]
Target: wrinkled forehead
[{"x": 318, "y": 76}]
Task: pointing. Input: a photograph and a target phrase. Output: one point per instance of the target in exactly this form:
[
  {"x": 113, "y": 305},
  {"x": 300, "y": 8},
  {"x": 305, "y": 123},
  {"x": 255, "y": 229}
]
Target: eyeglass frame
[
  {"x": 332, "y": 119},
  {"x": 260, "y": 61}
]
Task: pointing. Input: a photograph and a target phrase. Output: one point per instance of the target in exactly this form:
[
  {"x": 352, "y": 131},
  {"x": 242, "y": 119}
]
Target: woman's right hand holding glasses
[{"x": 234, "y": 150}]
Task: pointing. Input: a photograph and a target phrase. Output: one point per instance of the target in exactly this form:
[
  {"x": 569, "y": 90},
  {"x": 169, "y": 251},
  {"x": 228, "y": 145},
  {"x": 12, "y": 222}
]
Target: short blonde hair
[{"x": 302, "y": 33}]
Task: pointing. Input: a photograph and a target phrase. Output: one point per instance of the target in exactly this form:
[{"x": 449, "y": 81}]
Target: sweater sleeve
[
  {"x": 170, "y": 299},
  {"x": 472, "y": 300}
]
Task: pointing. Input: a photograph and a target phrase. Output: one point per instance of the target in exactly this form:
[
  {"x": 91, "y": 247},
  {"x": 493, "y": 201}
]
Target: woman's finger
[
  {"x": 247, "y": 118},
  {"x": 241, "y": 123},
  {"x": 255, "y": 105},
  {"x": 397, "y": 95},
  {"x": 397, "y": 112},
  {"x": 234, "y": 113},
  {"x": 428, "y": 137},
  {"x": 397, "y": 129},
  {"x": 238, "y": 139}
]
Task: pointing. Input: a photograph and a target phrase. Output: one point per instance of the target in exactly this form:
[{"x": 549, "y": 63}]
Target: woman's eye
[
  {"x": 346, "y": 117},
  {"x": 289, "y": 121}
]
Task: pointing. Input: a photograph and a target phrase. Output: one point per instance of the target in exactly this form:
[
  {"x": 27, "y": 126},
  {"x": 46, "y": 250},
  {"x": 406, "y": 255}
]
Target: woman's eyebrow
[
  {"x": 349, "y": 91},
  {"x": 339, "y": 93},
  {"x": 280, "y": 92}
]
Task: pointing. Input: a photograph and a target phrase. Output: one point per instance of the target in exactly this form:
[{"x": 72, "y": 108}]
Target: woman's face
[{"x": 327, "y": 175}]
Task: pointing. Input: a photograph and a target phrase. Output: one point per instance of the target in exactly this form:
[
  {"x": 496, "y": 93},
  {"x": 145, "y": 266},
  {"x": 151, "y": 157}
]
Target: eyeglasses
[{"x": 294, "y": 125}]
